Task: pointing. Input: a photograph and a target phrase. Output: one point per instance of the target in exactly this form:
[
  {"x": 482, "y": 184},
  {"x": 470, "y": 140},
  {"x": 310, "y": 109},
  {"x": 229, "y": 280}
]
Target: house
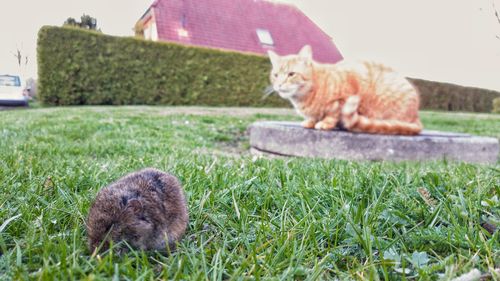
[{"x": 253, "y": 26}]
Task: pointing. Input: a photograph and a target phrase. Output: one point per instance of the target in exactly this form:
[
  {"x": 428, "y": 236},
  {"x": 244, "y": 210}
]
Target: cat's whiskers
[{"x": 269, "y": 90}]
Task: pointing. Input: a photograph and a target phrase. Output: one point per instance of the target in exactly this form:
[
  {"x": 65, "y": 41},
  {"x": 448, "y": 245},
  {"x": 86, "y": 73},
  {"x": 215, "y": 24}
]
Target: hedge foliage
[
  {"x": 451, "y": 97},
  {"x": 78, "y": 67},
  {"x": 496, "y": 105}
]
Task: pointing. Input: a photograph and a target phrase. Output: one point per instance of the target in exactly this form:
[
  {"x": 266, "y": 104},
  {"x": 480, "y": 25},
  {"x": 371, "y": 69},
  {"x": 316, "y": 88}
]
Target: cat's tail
[{"x": 352, "y": 121}]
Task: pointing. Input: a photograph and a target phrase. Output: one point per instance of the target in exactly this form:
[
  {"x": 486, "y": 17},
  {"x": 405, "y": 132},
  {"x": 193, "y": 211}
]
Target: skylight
[{"x": 265, "y": 37}]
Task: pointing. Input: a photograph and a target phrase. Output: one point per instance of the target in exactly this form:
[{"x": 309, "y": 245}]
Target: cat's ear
[
  {"x": 273, "y": 57},
  {"x": 306, "y": 53}
]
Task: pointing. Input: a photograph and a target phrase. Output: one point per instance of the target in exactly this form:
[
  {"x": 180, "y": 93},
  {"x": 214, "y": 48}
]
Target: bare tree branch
[
  {"x": 497, "y": 15},
  {"x": 496, "y": 11},
  {"x": 18, "y": 56}
]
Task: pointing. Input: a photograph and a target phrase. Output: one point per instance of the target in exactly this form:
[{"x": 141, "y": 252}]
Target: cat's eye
[
  {"x": 290, "y": 74},
  {"x": 275, "y": 75}
]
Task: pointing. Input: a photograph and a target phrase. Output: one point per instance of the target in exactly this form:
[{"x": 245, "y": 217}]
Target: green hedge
[
  {"x": 77, "y": 67},
  {"x": 496, "y": 105},
  {"x": 451, "y": 97}
]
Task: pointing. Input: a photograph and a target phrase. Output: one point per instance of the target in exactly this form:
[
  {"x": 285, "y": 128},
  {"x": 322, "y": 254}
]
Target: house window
[
  {"x": 154, "y": 32},
  {"x": 265, "y": 37},
  {"x": 147, "y": 32},
  {"x": 150, "y": 32}
]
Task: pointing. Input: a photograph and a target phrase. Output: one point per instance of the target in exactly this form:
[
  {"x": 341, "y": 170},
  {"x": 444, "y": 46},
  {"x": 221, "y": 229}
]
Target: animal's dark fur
[{"x": 147, "y": 209}]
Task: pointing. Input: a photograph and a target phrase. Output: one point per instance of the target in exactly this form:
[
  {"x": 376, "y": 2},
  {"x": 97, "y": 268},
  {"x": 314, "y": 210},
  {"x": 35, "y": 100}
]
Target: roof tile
[{"x": 232, "y": 24}]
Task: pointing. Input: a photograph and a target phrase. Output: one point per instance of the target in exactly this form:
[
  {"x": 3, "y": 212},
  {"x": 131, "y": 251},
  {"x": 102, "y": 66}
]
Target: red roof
[{"x": 233, "y": 24}]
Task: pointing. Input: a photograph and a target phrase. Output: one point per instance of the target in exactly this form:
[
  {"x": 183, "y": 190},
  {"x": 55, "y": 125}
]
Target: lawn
[{"x": 271, "y": 219}]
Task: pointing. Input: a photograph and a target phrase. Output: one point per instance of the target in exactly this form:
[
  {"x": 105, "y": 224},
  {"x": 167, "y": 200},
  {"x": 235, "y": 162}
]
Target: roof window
[{"x": 265, "y": 37}]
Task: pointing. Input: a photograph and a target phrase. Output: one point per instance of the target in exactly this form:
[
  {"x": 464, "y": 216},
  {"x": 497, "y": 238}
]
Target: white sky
[{"x": 443, "y": 40}]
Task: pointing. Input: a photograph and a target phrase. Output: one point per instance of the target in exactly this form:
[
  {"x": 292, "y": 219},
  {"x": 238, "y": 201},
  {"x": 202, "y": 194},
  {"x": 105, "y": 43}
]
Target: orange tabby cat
[{"x": 364, "y": 97}]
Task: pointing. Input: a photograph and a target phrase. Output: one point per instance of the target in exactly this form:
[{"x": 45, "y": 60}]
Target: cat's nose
[{"x": 282, "y": 89}]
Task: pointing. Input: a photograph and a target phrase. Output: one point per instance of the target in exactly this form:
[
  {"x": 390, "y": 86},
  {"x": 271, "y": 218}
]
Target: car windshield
[{"x": 9, "y": 80}]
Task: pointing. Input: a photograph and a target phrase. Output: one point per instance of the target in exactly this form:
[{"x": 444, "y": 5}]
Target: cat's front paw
[
  {"x": 324, "y": 126},
  {"x": 308, "y": 124}
]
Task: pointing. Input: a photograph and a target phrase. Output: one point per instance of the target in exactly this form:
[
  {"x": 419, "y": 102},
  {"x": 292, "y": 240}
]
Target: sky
[{"x": 442, "y": 40}]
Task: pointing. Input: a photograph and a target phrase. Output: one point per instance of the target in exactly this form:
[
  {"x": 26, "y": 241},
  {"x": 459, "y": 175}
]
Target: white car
[{"x": 13, "y": 90}]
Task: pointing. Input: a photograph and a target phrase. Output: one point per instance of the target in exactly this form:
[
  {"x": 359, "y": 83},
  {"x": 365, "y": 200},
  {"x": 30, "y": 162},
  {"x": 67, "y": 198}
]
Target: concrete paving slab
[{"x": 290, "y": 139}]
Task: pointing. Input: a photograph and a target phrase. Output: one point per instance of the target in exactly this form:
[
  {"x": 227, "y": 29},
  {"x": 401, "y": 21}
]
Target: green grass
[{"x": 250, "y": 218}]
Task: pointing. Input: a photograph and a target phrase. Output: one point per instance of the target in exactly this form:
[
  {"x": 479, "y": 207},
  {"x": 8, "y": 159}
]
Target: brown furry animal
[
  {"x": 147, "y": 209},
  {"x": 364, "y": 97}
]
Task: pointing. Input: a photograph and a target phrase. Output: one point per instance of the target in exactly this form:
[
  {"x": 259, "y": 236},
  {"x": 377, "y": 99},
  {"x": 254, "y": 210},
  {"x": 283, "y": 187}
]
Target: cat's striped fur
[{"x": 363, "y": 97}]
